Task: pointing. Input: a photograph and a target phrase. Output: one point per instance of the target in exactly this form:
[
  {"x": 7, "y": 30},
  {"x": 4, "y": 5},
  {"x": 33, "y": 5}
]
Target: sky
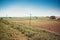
[{"x": 23, "y": 8}]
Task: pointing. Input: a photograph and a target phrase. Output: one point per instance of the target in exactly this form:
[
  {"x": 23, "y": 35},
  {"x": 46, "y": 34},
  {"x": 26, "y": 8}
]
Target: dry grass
[
  {"x": 8, "y": 33},
  {"x": 20, "y": 29},
  {"x": 46, "y": 23}
]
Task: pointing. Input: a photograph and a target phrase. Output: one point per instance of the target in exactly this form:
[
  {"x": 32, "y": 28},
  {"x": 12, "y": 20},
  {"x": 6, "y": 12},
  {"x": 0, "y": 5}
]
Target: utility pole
[
  {"x": 6, "y": 15},
  {"x": 30, "y": 20}
]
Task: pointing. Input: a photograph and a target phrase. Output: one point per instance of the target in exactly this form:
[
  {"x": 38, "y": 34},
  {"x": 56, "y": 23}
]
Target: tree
[
  {"x": 52, "y": 17},
  {"x": 47, "y": 16},
  {"x": 1, "y": 19},
  {"x": 36, "y": 17}
]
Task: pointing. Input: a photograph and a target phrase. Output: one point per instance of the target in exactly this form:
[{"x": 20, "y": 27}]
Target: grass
[
  {"x": 8, "y": 33},
  {"x": 28, "y": 32},
  {"x": 38, "y": 23}
]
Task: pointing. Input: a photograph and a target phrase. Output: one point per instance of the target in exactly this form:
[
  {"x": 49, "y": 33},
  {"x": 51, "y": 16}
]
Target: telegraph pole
[
  {"x": 30, "y": 20},
  {"x": 6, "y": 15}
]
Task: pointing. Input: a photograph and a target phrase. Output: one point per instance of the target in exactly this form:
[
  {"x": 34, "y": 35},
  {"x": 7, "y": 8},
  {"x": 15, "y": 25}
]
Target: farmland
[{"x": 34, "y": 29}]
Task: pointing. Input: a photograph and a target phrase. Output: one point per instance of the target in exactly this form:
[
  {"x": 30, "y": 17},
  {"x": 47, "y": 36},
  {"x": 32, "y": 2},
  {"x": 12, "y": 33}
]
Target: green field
[{"x": 26, "y": 29}]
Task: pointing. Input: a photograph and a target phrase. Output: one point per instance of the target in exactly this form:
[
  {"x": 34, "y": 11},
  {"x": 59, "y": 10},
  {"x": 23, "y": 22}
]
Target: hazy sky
[{"x": 21, "y": 8}]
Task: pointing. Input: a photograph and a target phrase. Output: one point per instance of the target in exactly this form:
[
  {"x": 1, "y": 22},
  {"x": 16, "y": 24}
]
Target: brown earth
[{"x": 54, "y": 28}]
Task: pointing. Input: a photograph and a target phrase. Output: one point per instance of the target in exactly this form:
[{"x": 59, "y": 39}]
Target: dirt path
[{"x": 55, "y": 28}]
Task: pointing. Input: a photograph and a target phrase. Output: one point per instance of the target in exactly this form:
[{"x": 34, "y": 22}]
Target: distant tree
[
  {"x": 36, "y": 17},
  {"x": 47, "y": 16},
  {"x": 52, "y": 17},
  {"x": 10, "y": 17},
  {"x": 1, "y": 19}
]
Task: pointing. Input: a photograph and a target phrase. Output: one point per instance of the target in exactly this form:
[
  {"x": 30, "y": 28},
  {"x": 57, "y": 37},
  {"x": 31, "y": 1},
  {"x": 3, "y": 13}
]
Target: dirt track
[{"x": 55, "y": 28}]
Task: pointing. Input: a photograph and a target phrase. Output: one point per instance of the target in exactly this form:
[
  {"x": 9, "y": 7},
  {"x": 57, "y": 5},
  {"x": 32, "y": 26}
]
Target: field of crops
[{"x": 34, "y": 29}]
